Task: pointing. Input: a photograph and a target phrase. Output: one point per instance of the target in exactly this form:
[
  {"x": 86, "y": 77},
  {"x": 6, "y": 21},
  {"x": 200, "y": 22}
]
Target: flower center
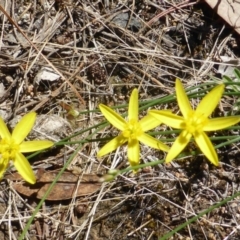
[
  {"x": 195, "y": 122},
  {"x": 132, "y": 130},
  {"x": 8, "y": 149}
]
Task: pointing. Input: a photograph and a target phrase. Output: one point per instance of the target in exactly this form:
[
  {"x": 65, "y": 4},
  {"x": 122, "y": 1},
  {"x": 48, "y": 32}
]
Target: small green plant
[{"x": 133, "y": 131}]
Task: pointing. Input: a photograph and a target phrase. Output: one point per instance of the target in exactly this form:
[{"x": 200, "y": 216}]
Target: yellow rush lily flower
[
  {"x": 12, "y": 146},
  {"x": 195, "y": 123},
  {"x": 133, "y": 131}
]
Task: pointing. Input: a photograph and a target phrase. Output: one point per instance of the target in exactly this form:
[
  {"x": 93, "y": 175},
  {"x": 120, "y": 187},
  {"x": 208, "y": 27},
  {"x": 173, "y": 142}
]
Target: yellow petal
[
  {"x": 32, "y": 146},
  {"x": 179, "y": 144},
  {"x": 182, "y": 99},
  {"x": 153, "y": 142},
  {"x": 24, "y": 168},
  {"x": 149, "y": 122},
  {"x": 112, "y": 145},
  {"x": 207, "y": 148},
  {"x": 220, "y": 123},
  {"x": 3, "y": 167},
  {"x": 133, "y": 106},
  {"x": 210, "y": 101},
  {"x": 23, "y": 128},
  {"x": 114, "y": 118},
  {"x": 4, "y": 132},
  {"x": 133, "y": 152},
  {"x": 168, "y": 118}
]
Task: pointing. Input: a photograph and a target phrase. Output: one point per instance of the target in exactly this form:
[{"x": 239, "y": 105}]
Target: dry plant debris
[
  {"x": 228, "y": 10},
  {"x": 65, "y": 188},
  {"x": 97, "y": 52}
]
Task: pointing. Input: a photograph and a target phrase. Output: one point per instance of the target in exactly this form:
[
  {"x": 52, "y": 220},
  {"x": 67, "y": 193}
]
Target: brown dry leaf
[
  {"x": 228, "y": 10},
  {"x": 64, "y": 189}
]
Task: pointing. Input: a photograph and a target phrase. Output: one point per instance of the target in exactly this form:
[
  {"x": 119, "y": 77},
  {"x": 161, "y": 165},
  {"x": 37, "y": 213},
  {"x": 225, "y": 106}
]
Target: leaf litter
[{"x": 99, "y": 51}]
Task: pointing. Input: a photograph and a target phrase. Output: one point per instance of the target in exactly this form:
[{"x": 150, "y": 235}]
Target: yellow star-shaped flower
[
  {"x": 195, "y": 123},
  {"x": 132, "y": 131},
  {"x": 12, "y": 146}
]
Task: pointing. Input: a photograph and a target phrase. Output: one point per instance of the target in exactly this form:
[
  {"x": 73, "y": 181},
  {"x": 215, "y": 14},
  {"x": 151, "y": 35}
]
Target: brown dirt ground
[{"x": 100, "y": 51}]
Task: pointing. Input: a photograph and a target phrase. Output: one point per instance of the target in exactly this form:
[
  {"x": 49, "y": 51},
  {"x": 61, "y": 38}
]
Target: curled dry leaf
[
  {"x": 228, "y": 10},
  {"x": 66, "y": 187},
  {"x": 46, "y": 74}
]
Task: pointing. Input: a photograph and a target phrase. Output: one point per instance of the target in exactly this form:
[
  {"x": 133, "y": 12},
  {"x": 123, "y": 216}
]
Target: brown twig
[{"x": 53, "y": 67}]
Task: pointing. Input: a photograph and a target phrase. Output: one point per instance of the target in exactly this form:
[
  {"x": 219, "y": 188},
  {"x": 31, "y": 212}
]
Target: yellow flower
[
  {"x": 195, "y": 123},
  {"x": 12, "y": 147},
  {"x": 133, "y": 131}
]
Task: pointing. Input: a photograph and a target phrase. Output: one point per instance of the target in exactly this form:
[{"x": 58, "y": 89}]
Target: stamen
[
  {"x": 8, "y": 149},
  {"x": 195, "y": 122},
  {"x": 133, "y": 130}
]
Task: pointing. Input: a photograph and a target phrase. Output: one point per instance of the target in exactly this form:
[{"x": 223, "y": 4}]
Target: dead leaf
[
  {"x": 66, "y": 187},
  {"x": 67, "y": 177},
  {"x": 63, "y": 191},
  {"x": 228, "y": 10}
]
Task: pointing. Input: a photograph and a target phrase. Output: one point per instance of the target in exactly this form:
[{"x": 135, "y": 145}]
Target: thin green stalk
[
  {"x": 195, "y": 218},
  {"x": 23, "y": 234}
]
